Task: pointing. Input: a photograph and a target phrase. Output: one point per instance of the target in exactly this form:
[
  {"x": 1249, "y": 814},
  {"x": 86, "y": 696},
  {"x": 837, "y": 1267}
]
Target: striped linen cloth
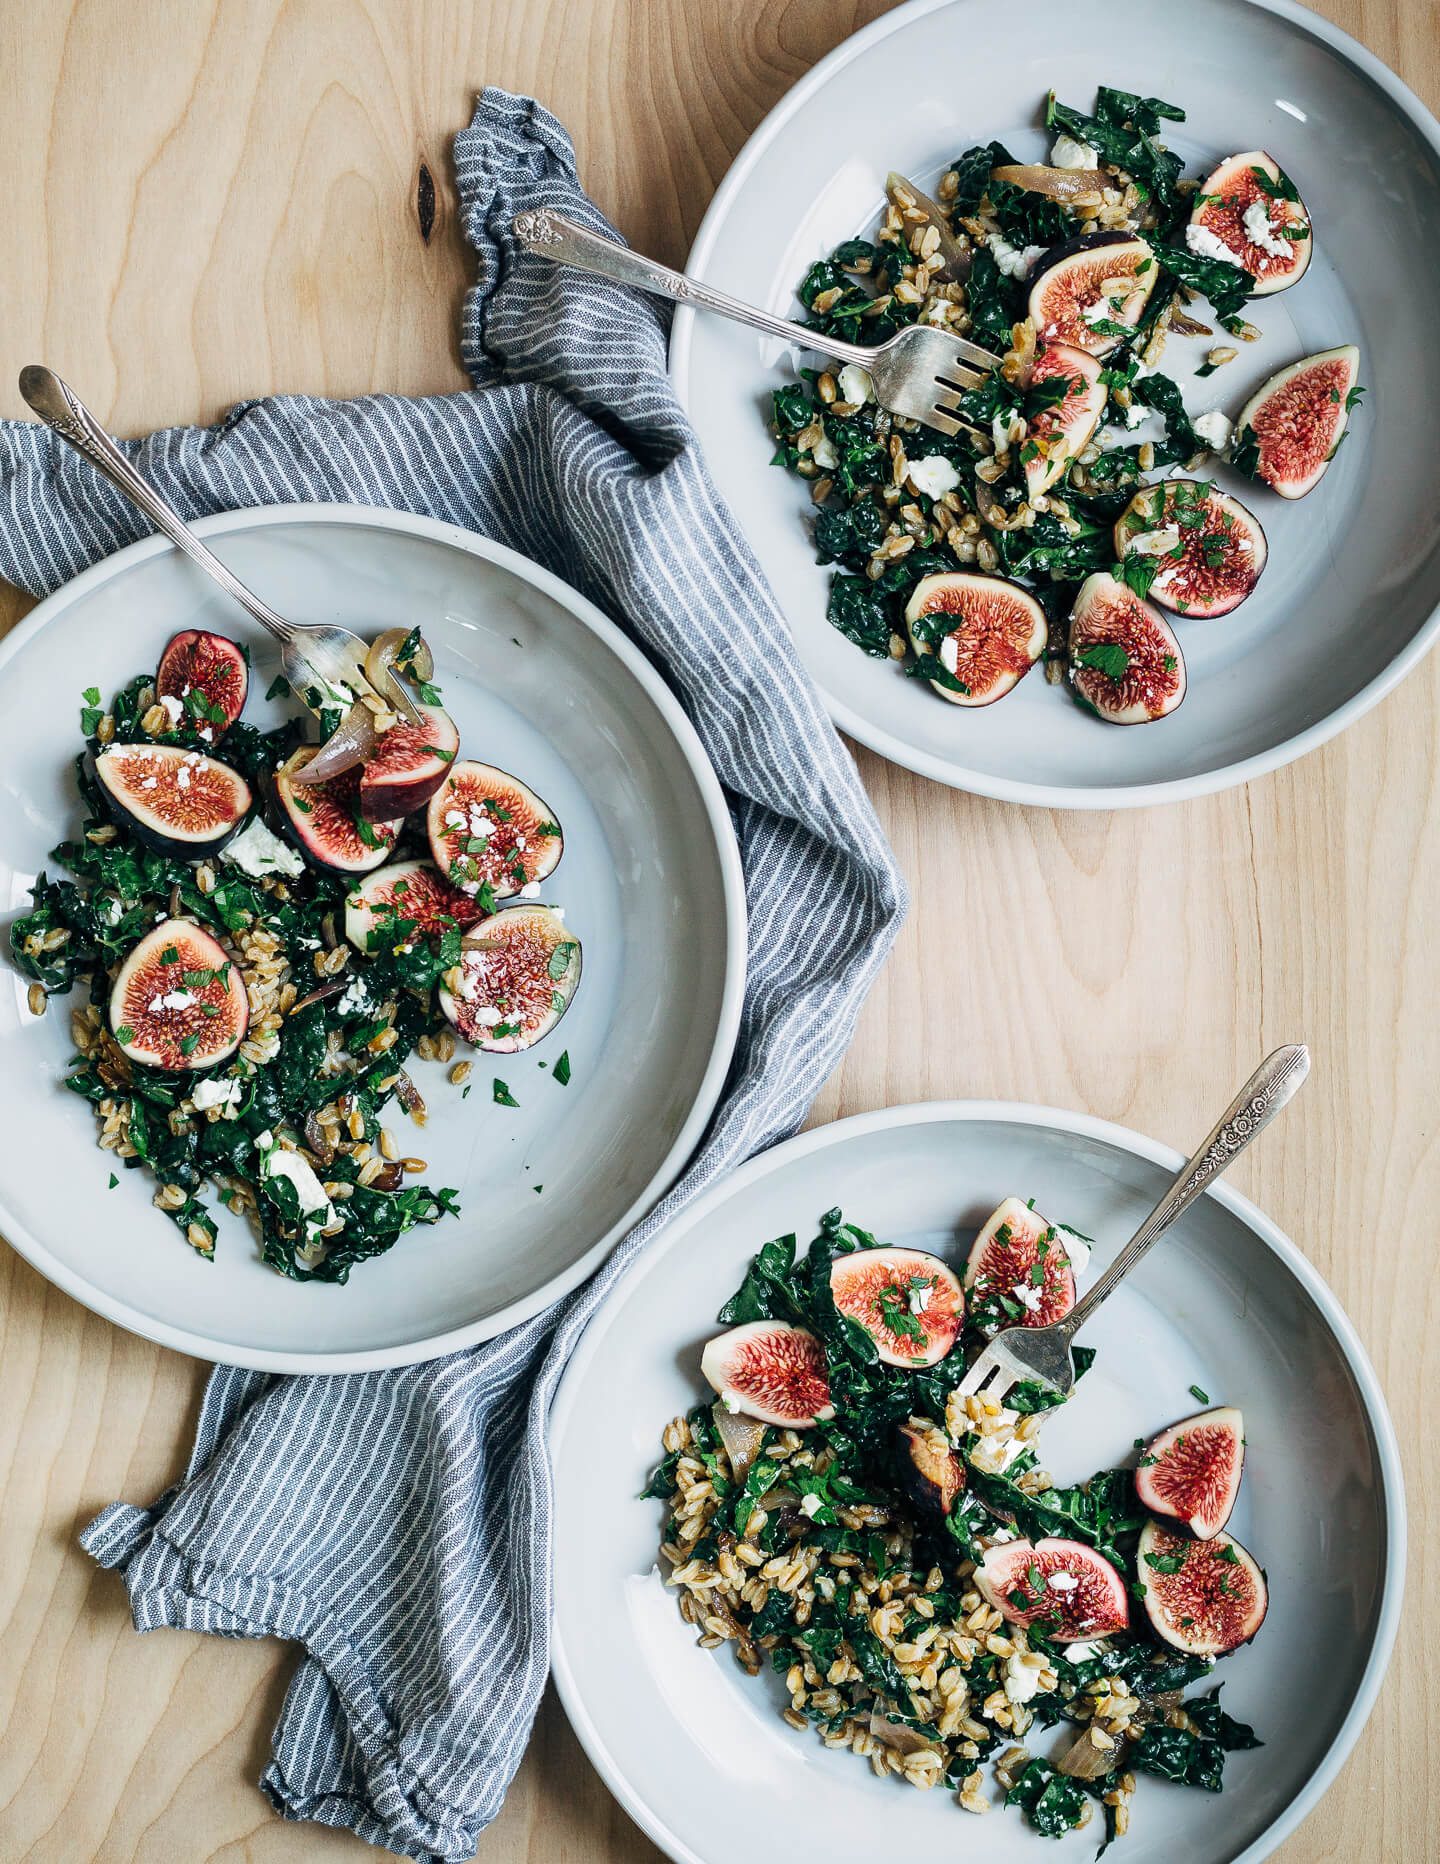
[{"x": 397, "y": 1524}]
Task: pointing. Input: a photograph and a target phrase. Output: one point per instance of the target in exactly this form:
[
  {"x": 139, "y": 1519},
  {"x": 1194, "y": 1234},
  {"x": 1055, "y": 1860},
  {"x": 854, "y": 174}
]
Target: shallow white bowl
[
  {"x": 696, "y": 1752},
  {"x": 540, "y": 683},
  {"x": 1347, "y": 603}
]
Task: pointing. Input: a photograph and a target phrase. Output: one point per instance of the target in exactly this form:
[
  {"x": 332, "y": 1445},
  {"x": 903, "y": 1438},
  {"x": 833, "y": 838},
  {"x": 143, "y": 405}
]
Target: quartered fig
[
  {"x": 931, "y": 1474},
  {"x": 770, "y": 1371},
  {"x": 910, "y": 1303},
  {"x": 1066, "y": 1589},
  {"x": 1191, "y": 1472},
  {"x": 742, "y": 1437},
  {"x": 1204, "y": 1596},
  {"x": 1206, "y": 548},
  {"x": 204, "y": 679},
  {"x": 516, "y": 978},
  {"x": 1092, "y": 291},
  {"x": 985, "y": 632},
  {"x": 484, "y": 825},
  {"x": 1289, "y": 431},
  {"x": 178, "y": 1001},
  {"x": 181, "y": 803},
  {"x": 1057, "y": 433},
  {"x": 324, "y": 819},
  {"x": 408, "y": 765},
  {"x": 409, "y": 894},
  {"x": 1249, "y": 213},
  {"x": 1125, "y": 661},
  {"x": 1019, "y": 1271}
]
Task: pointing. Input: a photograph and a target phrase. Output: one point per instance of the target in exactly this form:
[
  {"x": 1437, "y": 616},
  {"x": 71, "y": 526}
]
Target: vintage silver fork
[
  {"x": 1043, "y": 1353},
  {"x": 919, "y": 373},
  {"x": 312, "y": 653}
]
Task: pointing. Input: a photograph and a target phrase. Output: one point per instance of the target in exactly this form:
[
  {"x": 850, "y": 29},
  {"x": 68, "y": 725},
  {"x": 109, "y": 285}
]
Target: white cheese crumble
[
  {"x": 149, "y": 783},
  {"x": 1205, "y": 245},
  {"x": 255, "y": 851},
  {"x": 1214, "y": 429},
  {"x": 1083, "y": 1652},
  {"x": 1022, "y": 1679},
  {"x": 1136, "y": 413},
  {"x": 214, "y": 1093},
  {"x": 352, "y": 999},
  {"x": 1028, "y": 1295},
  {"x": 113, "y": 911},
  {"x": 1101, "y": 312},
  {"x": 1061, "y": 1582},
  {"x": 1155, "y": 543},
  {"x": 731, "y": 1403},
  {"x": 811, "y": 1505},
  {"x": 918, "y": 1299},
  {"x": 823, "y": 453},
  {"x": 1256, "y": 221},
  {"x": 854, "y": 384},
  {"x": 1070, "y": 152},
  {"x": 1011, "y": 261},
  {"x": 949, "y": 653},
  {"x": 531, "y": 890},
  {"x": 171, "y": 1000},
  {"x": 933, "y": 476},
  {"x": 277, "y": 1162},
  {"x": 173, "y": 706},
  {"x": 1076, "y": 1248}
]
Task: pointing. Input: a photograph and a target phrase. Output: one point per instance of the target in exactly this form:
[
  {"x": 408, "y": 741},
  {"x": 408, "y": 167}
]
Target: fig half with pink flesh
[
  {"x": 1057, "y": 433},
  {"x": 1251, "y": 207},
  {"x": 517, "y": 976},
  {"x": 403, "y": 901},
  {"x": 1019, "y": 1271},
  {"x": 1208, "y": 551},
  {"x": 1092, "y": 291},
  {"x": 178, "y": 1001},
  {"x": 205, "y": 678},
  {"x": 486, "y": 826},
  {"x": 1289, "y": 431},
  {"x": 324, "y": 820},
  {"x": 1191, "y": 1472},
  {"x": 910, "y": 1303},
  {"x": 1125, "y": 661},
  {"x": 986, "y": 634},
  {"x": 1064, "y": 1588},
  {"x": 408, "y": 765},
  {"x": 1204, "y": 1596},
  {"x": 770, "y": 1371},
  {"x": 181, "y": 803}
]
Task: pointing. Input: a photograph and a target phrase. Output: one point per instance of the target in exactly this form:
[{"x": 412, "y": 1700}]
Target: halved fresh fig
[
  {"x": 1204, "y": 1596},
  {"x": 931, "y": 1474},
  {"x": 1019, "y": 1271},
  {"x": 1244, "y": 206},
  {"x": 1291, "y": 428},
  {"x": 516, "y": 978},
  {"x": 770, "y": 1371},
  {"x": 1068, "y": 1590},
  {"x": 1209, "y": 549},
  {"x": 178, "y": 1001},
  {"x": 910, "y": 1303},
  {"x": 206, "y": 676},
  {"x": 179, "y": 802},
  {"x": 1125, "y": 661},
  {"x": 410, "y": 892},
  {"x": 324, "y": 819},
  {"x": 1057, "y": 433},
  {"x": 486, "y": 826},
  {"x": 1191, "y": 1472},
  {"x": 985, "y": 632},
  {"x": 742, "y": 1437},
  {"x": 1092, "y": 291},
  {"x": 408, "y": 765}
]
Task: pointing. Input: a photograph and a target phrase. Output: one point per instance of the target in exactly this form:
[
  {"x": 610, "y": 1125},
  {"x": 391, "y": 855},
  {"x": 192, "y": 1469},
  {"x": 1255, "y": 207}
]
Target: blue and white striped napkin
[{"x": 397, "y": 1523}]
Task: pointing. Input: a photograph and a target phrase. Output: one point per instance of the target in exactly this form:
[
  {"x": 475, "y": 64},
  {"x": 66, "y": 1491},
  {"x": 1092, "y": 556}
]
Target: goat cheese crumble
[{"x": 255, "y": 851}]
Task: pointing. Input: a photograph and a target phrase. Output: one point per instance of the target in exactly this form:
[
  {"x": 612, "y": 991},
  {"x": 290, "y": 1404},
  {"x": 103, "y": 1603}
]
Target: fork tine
[
  {"x": 947, "y": 398},
  {"x": 941, "y": 422},
  {"x": 960, "y": 377},
  {"x": 978, "y": 1373},
  {"x": 999, "y": 1386},
  {"x": 972, "y": 352}
]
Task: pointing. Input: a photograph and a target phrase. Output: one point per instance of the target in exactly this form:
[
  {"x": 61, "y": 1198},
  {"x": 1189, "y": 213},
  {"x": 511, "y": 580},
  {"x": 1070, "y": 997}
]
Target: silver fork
[
  {"x": 919, "y": 373},
  {"x": 312, "y": 653},
  {"x": 1043, "y": 1353}
]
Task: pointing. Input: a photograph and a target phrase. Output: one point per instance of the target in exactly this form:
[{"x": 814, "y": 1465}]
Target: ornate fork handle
[
  {"x": 556, "y": 236},
  {"x": 1272, "y": 1085}
]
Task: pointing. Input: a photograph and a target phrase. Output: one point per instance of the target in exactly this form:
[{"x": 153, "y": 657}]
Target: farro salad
[
  {"x": 270, "y": 930},
  {"x": 1039, "y": 532},
  {"x": 896, "y": 1553}
]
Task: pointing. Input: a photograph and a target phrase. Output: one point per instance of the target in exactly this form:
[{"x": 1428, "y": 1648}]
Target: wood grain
[{"x": 212, "y": 201}]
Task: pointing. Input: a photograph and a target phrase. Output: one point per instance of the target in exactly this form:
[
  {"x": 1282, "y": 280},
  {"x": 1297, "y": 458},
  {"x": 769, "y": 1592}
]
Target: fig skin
[
  {"x": 1191, "y": 1472},
  {"x": 1289, "y": 431},
  {"x": 865, "y": 1282},
  {"x": 423, "y": 897},
  {"x": 195, "y": 660},
  {"x": 156, "y": 1037},
  {"x": 1063, "y": 430},
  {"x": 319, "y": 818},
  {"x": 186, "y": 804},
  {"x": 1213, "y": 1603},
  {"x": 1067, "y": 282},
  {"x": 519, "y": 848},
  {"x": 1236, "y": 183},
  {"x": 1196, "y": 586},
  {"x": 409, "y": 764},
  {"x": 931, "y": 1474},
  {"x": 1152, "y": 683},
  {"x": 1095, "y": 1606},
  {"x": 518, "y": 974},
  {"x": 1012, "y": 1241},
  {"x": 998, "y": 633},
  {"x": 772, "y": 1372}
]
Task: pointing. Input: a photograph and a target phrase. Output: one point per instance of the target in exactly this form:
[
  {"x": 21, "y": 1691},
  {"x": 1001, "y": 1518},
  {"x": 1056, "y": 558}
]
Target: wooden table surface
[{"x": 213, "y": 201}]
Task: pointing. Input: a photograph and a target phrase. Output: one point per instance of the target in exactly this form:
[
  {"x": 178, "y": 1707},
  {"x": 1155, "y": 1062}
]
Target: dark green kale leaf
[
  {"x": 768, "y": 1291},
  {"x": 1052, "y": 1801},
  {"x": 1193, "y": 1759},
  {"x": 1228, "y": 287},
  {"x": 1124, "y": 129},
  {"x": 996, "y": 302}
]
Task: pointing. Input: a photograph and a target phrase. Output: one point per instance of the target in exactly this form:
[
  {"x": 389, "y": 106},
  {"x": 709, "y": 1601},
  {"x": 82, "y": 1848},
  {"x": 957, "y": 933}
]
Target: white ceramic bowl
[
  {"x": 540, "y": 683},
  {"x": 696, "y": 1752},
  {"x": 1347, "y": 603}
]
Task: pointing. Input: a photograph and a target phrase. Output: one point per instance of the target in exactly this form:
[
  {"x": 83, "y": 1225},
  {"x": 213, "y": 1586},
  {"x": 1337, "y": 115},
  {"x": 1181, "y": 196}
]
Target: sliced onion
[
  {"x": 956, "y": 258},
  {"x": 353, "y": 740},
  {"x": 1076, "y": 187}
]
